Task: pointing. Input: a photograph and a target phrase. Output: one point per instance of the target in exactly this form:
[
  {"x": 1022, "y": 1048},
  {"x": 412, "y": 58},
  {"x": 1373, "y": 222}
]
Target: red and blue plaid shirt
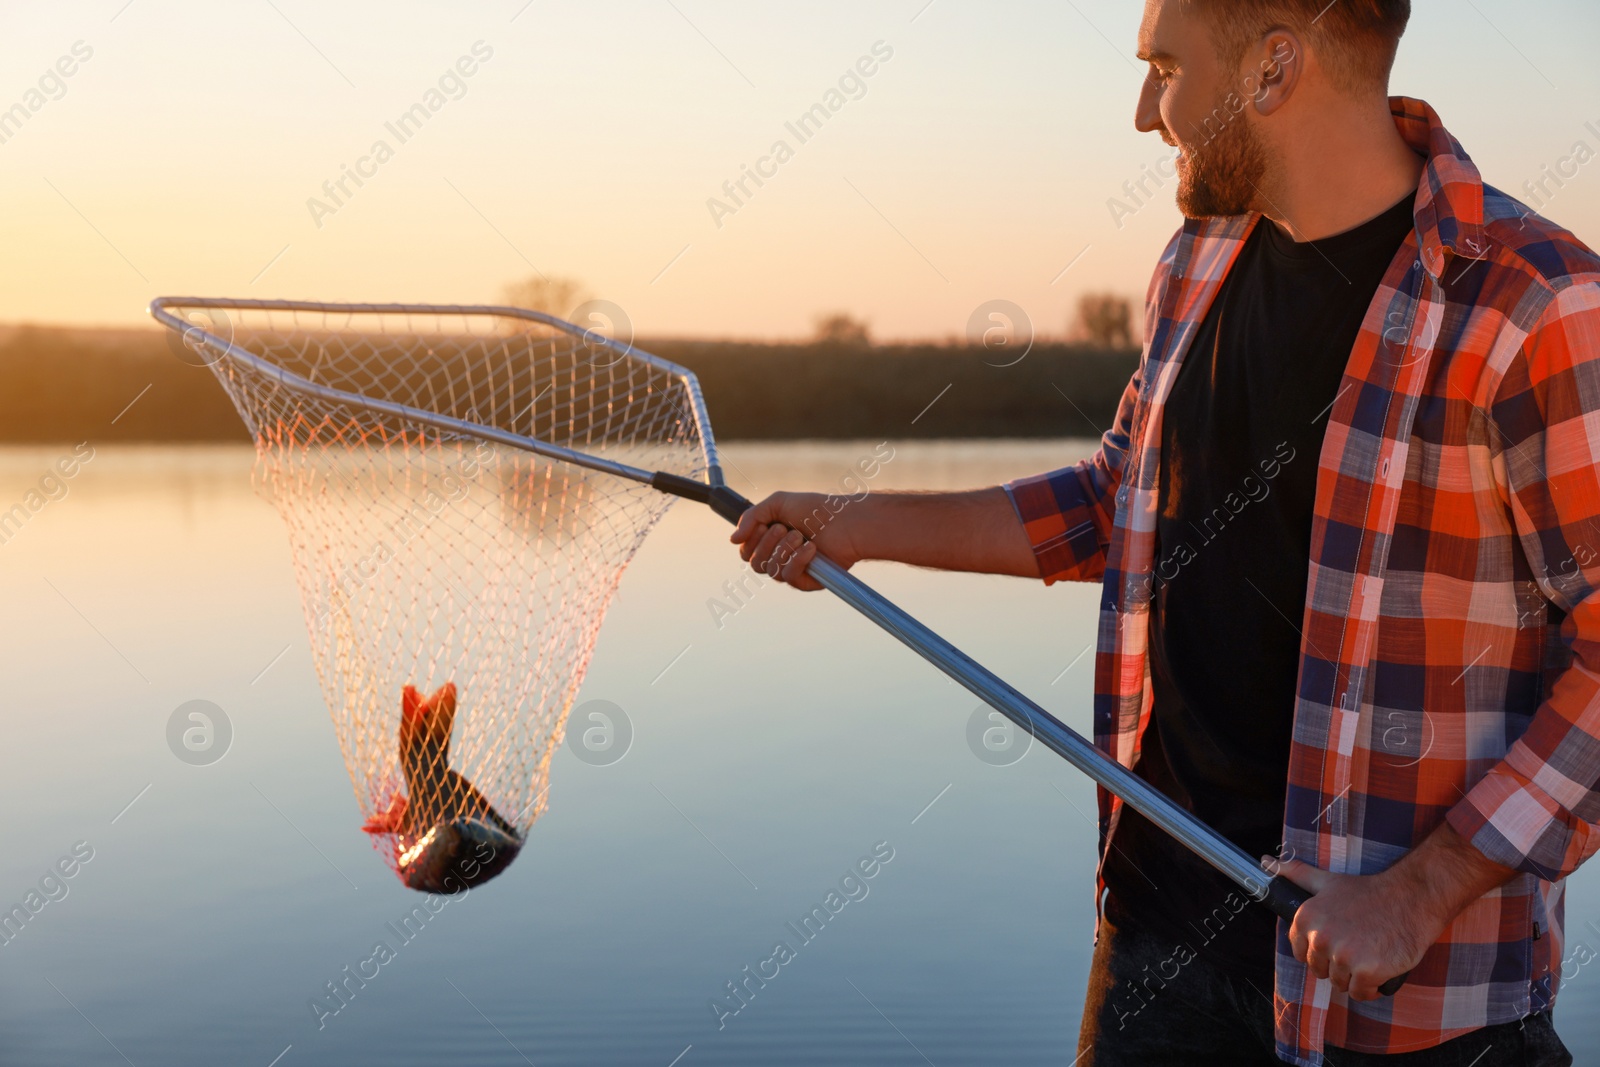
[{"x": 1450, "y": 656}]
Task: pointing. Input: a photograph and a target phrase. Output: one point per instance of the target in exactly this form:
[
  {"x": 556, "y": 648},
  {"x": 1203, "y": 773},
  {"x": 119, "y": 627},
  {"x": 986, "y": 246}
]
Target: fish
[{"x": 448, "y": 837}]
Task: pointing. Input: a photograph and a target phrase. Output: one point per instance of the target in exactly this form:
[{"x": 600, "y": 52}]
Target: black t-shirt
[{"x": 1240, "y": 442}]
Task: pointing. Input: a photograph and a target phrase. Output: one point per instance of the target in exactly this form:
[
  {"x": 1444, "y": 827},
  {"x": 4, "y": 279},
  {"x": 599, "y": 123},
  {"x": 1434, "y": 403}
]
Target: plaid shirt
[{"x": 1450, "y": 656}]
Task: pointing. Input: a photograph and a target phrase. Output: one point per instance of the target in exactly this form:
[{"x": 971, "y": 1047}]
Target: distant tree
[
  {"x": 553, "y": 295},
  {"x": 839, "y": 328},
  {"x": 1105, "y": 320}
]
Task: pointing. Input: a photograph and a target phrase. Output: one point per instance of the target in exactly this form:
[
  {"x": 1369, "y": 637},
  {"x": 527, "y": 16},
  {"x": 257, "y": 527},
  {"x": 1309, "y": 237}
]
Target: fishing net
[{"x": 453, "y": 588}]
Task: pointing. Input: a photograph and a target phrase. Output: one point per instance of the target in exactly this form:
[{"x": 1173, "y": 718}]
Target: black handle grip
[
  {"x": 727, "y": 503},
  {"x": 1284, "y": 898},
  {"x": 719, "y": 498}
]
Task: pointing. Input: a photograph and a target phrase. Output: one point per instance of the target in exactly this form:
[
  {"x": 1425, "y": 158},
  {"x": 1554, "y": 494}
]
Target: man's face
[{"x": 1202, "y": 110}]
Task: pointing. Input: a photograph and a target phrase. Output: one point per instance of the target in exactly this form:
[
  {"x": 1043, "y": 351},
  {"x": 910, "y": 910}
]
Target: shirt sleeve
[
  {"x": 1537, "y": 810},
  {"x": 1068, "y": 514}
]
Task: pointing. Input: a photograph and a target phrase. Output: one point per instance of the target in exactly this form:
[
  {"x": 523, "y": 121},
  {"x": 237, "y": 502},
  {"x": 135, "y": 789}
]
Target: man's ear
[{"x": 1274, "y": 68}]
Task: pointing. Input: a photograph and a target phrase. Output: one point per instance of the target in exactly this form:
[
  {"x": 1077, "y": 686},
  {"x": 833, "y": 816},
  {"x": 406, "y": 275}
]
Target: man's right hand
[
  {"x": 781, "y": 535},
  {"x": 974, "y": 530}
]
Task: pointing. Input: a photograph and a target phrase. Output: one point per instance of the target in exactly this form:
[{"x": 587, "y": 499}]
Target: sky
[{"x": 187, "y": 153}]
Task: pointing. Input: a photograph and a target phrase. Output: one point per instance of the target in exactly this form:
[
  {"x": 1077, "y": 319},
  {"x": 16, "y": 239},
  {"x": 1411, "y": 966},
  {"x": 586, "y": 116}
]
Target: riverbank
[{"x": 62, "y": 384}]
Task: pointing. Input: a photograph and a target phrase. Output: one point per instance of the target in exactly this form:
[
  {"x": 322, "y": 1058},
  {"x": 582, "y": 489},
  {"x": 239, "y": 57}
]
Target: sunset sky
[{"x": 976, "y": 162}]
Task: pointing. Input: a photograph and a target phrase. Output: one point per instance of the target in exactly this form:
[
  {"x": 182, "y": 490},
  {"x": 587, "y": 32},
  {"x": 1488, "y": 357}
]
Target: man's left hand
[{"x": 1359, "y": 931}]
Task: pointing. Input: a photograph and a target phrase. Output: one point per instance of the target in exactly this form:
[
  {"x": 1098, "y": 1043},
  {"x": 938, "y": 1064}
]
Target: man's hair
[{"x": 1356, "y": 40}]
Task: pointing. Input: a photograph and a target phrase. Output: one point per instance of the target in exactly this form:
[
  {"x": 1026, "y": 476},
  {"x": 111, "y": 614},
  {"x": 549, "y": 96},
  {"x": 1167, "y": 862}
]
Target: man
[{"x": 1347, "y": 523}]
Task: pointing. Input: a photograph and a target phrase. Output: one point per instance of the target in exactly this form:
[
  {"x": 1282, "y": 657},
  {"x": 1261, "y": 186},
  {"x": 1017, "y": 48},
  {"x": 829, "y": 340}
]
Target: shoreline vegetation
[{"x": 64, "y": 384}]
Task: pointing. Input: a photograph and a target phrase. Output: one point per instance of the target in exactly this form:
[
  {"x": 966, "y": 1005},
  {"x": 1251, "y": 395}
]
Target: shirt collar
[
  {"x": 1449, "y": 204},
  {"x": 1449, "y": 208}
]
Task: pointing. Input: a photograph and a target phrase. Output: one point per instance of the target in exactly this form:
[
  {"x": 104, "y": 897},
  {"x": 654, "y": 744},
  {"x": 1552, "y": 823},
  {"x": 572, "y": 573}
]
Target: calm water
[{"x": 770, "y": 754}]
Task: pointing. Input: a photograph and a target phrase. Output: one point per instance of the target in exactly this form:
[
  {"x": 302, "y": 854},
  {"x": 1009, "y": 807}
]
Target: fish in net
[{"x": 453, "y": 587}]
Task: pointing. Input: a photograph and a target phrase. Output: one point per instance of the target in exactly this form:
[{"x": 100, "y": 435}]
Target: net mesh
[{"x": 476, "y": 573}]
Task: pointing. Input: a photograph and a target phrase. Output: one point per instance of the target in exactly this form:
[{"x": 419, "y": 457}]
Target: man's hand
[
  {"x": 974, "y": 530},
  {"x": 1361, "y": 931},
  {"x": 781, "y": 535},
  {"x": 1358, "y": 931}
]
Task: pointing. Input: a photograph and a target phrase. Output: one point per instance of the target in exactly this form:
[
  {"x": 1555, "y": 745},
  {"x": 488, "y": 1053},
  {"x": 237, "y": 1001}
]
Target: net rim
[{"x": 162, "y": 309}]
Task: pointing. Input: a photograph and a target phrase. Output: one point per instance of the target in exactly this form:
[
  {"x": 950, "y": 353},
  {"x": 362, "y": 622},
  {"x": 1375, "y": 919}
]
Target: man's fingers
[
  {"x": 794, "y": 571},
  {"x": 783, "y": 555},
  {"x": 1339, "y": 974},
  {"x": 752, "y": 539},
  {"x": 755, "y": 519},
  {"x": 1299, "y": 942},
  {"x": 1364, "y": 989},
  {"x": 761, "y": 557},
  {"x": 773, "y": 548},
  {"x": 752, "y": 522},
  {"x": 1316, "y": 958}
]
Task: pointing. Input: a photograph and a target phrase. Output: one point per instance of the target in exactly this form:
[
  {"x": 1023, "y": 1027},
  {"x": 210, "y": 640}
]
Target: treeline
[
  {"x": 904, "y": 391},
  {"x": 60, "y": 384}
]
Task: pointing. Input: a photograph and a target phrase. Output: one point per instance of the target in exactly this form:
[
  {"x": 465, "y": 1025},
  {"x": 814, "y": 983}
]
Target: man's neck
[{"x": 1339, "y": 174}]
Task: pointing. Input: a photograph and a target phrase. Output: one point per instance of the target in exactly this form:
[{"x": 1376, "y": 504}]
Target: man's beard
[{"x": 1223, "y": 177}]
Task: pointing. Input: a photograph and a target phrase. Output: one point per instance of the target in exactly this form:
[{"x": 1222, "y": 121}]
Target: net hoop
[{"x": 463, "y": 488}]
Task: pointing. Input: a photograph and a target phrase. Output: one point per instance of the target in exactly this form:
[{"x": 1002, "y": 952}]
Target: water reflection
[{"x": 232, "y": 910}]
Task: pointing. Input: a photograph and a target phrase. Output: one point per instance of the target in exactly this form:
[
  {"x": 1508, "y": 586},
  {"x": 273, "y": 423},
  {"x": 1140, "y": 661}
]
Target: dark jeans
[{"x": 1132, "y": 1018}]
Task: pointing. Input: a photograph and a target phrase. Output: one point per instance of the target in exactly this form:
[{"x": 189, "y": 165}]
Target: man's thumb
[{"x": 1301, "y": 874}]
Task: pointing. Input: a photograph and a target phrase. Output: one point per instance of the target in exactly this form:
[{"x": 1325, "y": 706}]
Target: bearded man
[{"x": 1347, "y": 524}]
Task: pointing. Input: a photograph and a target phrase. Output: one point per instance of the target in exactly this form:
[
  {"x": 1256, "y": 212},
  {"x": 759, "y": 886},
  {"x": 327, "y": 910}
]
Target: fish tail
[{"x": 436, "y": 716}]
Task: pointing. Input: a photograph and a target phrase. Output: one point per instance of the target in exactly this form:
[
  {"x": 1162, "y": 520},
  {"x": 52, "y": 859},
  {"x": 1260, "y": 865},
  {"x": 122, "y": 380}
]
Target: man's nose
[{"x": 1148, "y": 117}]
